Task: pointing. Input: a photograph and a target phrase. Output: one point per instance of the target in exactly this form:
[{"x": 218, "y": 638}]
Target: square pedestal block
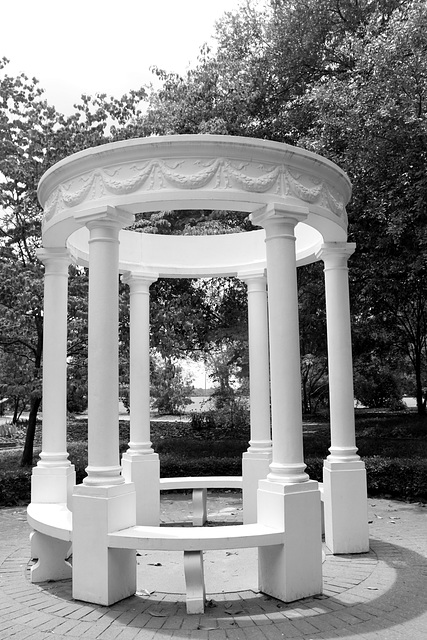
[
  {"x": 144, "y": 472},
  {"x": 53, "y": 485},
  {"x": 102, "y": 575},
  {"x": 346, "y": 507},
  {"x": 255, "y": 467},
  {"x": 293, "y": 570}
]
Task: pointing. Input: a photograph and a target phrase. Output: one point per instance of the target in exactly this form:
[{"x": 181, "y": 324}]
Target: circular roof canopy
[{"x": 193, "y": 172}]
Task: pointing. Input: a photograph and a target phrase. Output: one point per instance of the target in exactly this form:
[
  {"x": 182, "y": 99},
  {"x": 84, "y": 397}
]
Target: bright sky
[{"x": 103, "y": 46}]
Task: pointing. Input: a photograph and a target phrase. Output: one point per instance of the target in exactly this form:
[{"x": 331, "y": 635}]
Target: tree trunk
[
  {"x": 36, "y": 396},
  {"x": 15, "y": 411},
  {"x": 27, "y": 454}
]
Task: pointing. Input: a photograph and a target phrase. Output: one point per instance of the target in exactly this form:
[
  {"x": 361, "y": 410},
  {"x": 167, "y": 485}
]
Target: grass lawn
[{"x": 392, "y": 444}]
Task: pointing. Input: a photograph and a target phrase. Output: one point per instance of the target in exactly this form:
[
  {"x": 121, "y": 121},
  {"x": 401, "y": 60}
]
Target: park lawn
[{"x": 392, "y": 444}]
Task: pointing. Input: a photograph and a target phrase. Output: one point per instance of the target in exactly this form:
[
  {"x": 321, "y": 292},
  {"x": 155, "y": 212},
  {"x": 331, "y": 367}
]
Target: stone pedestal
[
  {"x": 345, "y": 507},
  {"x": 255, "y": 467},
  {"x": 293, "y": 570},
  {"x": 53, "y": 485},
  {"x": 102, "y": 575},
  {"x": 143, "y": 470}
]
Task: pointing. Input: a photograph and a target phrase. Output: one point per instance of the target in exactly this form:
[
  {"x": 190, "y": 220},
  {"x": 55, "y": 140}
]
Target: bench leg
[
  {"x": 199, "y": 507},
  {"x": 51, "y": 555},
  {"x": 194, "y": 581}
]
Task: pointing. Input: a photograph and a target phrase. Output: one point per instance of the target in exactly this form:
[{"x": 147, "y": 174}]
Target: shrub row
[
  {"x": 402, "y": 478},
  {"x": 397, "y": 478},
  {"x": 15, "y": 487}
]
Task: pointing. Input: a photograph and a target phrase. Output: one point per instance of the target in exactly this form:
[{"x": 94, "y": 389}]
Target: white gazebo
[{"x": 298, "y": 200}]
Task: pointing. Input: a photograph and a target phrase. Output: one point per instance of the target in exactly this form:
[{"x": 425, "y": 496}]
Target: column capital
[
  {"x": 57, "y": 257},
  {"x": 335, "y": 254},
  {"x": 139, "y": 282},
  {"x": 276, "y": 215},
  {"x": 105, "y": 216},
  {"x": 255, "y": 278}
]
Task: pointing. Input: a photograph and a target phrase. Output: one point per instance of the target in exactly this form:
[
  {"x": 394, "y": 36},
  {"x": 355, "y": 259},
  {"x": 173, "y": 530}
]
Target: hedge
[{"x": 404, "y": 478}]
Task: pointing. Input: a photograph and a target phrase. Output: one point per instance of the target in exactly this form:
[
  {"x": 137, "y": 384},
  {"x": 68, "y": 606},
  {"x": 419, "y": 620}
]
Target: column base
[
  {"x": 255, "y": 467},
  {"x": 102, "y": 575},
  {"x": 144, "y": 471},
  {"x": 293, "y": 570},
  {"x": 346, "y": 507},
  {"x": 53, "y": 485}
]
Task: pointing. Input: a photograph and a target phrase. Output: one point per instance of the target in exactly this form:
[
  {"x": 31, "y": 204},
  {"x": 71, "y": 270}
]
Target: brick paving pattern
[{"x": 378, "y": 595}]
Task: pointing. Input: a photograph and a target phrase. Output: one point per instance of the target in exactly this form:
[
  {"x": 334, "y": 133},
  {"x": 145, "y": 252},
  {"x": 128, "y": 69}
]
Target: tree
[
  {"x": 14, "y": 384},
  {"x": 33, "y": 136},
  {"x": 170, "y": 387},
  {"x": 373, "y": 123}
]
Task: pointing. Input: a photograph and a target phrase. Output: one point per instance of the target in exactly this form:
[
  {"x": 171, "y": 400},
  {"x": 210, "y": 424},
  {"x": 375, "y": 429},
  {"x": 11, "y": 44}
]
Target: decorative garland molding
[
  {"x": 194, "y": 172},
  {"x": 218, "y": 174}
]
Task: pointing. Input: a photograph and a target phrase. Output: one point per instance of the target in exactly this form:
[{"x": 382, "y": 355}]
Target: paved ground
[{"x": 381, "y": 594}]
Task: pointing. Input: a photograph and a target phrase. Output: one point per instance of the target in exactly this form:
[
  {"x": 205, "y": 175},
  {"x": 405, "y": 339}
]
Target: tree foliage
[
  {"x": 344, "y": 78},
  {"x": 33, "y": 136}
]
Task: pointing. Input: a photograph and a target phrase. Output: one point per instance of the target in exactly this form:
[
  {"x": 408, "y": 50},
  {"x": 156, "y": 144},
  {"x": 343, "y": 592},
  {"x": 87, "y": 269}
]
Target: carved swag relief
[{"x": 222, "y": 174}]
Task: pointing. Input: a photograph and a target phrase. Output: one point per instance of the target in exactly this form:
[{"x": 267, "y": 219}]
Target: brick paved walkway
[{"x": 378, "y": 595}]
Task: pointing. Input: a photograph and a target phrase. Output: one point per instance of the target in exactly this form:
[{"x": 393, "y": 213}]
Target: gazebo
[{"x": 297, "y": 200}]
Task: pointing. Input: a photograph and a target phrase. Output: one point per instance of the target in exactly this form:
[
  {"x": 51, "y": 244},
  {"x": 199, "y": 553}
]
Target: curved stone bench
[
  {"x": 50, "y": 539},
  {"x": 199, "y": 487},
  {"x": 193, "y": 542},
  {"x": 54, "y": 520},
  {"x": 52, "y": 528}
]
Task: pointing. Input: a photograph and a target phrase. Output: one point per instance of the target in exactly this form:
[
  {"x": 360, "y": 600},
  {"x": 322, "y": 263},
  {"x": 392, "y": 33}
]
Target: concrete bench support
[
  {"x": 194, "y": 581},
  {"x": 50, "y": 541},
  {"x": 52, "y": 558},
  {"x": 200, "y": 509}
]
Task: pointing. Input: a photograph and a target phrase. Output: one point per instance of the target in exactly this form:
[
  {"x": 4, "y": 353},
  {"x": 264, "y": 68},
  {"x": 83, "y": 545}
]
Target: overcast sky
[{"x": 103, "y": 46}]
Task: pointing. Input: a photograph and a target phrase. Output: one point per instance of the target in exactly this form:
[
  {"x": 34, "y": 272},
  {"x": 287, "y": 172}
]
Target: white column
[
  {"x": 344, "y": 474},
  {"x": 104, "y": 502},
  {"x": 103, "y": 350},
  {"x": 54, "y": 477},
  {"x": 257, "y": 459},
  {"x": 287, "y": 498},
  {"x": 140, "y": 464},
  {"x": 288, "y": 460}
]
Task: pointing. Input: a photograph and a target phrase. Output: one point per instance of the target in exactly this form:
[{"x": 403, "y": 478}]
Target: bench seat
[
  {"x": 200, "y": 538},
  {"x": 199, "y": 486},
  {"x": 54, "y": 520},
  {"x": 193, "y": 542},
  {"x": 201, "y": 482}
]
